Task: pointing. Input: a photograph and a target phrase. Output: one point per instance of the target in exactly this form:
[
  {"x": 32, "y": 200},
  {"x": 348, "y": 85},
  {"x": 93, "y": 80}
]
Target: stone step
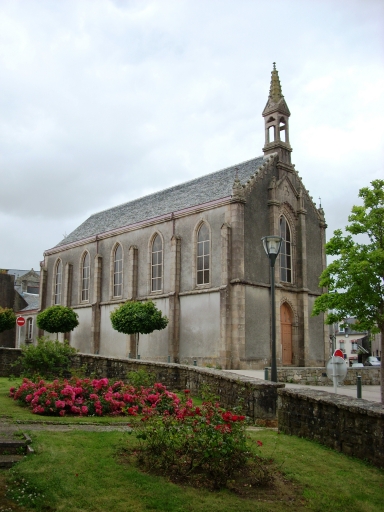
[
  {"x": 12, "y": 446},
  {"x": 7, "y": 461}
]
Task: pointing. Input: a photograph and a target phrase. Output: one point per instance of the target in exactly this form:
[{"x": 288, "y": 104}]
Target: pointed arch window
[
  {"x": 203, "y": 255},
  {"x": 58, "y": 282},
  {"x": 118, "y": 271},
  {"x": 85, "y": 277},
  {"x": 157, "y": 264},
  {"x": 285, "y": 251}
]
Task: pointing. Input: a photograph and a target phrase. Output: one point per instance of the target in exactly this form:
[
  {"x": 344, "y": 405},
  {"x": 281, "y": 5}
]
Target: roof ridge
[{"x": 175, "y": 186}]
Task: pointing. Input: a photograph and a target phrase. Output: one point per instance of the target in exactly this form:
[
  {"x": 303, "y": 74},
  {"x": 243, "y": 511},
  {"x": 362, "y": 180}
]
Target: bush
[
  {"x": 7, "y": 319},
  {"x": 138, "y": 317},
  {"x": 57, "y": 319},
  {"x": 206, "y": 445},
  {"x": 141, "y": 378},
  {"x": 48, "y": 359}
]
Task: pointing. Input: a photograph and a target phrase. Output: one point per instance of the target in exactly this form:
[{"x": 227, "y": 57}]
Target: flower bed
[{"x": 86, "y": 397}]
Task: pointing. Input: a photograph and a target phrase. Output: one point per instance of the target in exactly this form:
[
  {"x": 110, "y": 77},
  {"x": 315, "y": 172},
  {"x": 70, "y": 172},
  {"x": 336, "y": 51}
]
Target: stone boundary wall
[
  {"x": 257, "y": 398},
  {"x": 370, "y": 376},
  {"x": 351, "y": 426}
]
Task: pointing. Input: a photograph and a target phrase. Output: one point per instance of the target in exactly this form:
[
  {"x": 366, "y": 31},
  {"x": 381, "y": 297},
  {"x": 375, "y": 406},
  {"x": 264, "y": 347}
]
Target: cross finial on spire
[{"x": 274, "y": 66}]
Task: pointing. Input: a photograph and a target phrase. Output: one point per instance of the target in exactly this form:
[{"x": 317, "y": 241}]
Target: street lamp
[{"x": 272, "y": 246}]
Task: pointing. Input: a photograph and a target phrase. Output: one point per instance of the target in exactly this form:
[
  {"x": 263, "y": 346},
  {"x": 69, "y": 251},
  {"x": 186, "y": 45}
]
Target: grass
[{"x": 87, "y": 472}]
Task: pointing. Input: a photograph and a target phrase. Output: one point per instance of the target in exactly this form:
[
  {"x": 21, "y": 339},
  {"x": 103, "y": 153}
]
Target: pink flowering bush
[
  {"x": 87, "y": 397},
  {"x": 194, "y": 440}
]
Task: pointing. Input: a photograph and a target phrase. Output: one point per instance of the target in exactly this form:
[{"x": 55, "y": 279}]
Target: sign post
[{"x": 20, "y": 322}]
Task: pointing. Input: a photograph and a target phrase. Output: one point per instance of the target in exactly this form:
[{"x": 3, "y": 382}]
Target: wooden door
[{"x": 286, "y": 332}]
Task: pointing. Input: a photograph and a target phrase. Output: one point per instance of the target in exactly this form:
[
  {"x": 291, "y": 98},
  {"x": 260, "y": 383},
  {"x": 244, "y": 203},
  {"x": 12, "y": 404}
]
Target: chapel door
[{"x": 286, "y": 333}]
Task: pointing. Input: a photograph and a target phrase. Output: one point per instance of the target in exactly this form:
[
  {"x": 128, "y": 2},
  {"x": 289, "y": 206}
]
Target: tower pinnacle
[{"x": 276, "y": 114}]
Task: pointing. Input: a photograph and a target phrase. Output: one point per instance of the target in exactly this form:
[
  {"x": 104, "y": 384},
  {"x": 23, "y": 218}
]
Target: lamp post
[{"x": 272, "y": 246}]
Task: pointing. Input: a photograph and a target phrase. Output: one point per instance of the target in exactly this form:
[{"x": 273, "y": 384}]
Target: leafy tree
[
  {"x": 48, "y": 359},
  {"x": 7, "y": 319},
  {"x": 355, "y": 281},
  {"x": 135, "y": 317},
  {"x": 57, "y": 319}
]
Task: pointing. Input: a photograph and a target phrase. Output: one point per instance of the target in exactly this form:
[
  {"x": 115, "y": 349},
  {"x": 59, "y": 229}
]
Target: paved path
[{"x": 371, "y": 393}]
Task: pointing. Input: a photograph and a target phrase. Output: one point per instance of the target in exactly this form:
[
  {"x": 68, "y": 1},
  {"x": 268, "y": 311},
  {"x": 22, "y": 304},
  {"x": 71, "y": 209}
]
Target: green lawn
[{"x": 84, "y": 471}]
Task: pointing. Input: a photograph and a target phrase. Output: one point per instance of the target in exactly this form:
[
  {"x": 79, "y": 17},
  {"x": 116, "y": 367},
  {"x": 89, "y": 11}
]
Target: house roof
[
  {"x": 32, "y": 300},
  {"x": 205, "y": 189}
]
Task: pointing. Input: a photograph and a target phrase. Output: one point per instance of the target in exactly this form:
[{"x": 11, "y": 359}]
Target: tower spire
[{"x": 276, "y": 114}]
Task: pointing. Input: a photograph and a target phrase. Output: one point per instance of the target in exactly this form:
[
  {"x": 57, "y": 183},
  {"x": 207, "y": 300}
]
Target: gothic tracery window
[
  {"x": 285, "y": 251},
  {"x": 203, "y": 255}
]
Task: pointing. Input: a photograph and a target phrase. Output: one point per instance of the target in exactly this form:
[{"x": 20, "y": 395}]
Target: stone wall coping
[
  {"x": 356, "y": 405},
  {"x": 234, "y": 377}
]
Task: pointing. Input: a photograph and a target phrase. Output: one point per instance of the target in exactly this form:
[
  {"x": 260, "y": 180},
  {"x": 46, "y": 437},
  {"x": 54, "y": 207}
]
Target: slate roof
[
  {"x": 32, "y": 300},
  {"x": 201, "y": 190}
]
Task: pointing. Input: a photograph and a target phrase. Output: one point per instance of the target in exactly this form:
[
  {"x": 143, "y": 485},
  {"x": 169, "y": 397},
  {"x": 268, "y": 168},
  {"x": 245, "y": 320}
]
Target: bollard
[
  {"x": 138, "y": 356},
  {"x": 266, "y": 377},
  {"x": 359, "y": 393},
  {"x": 194, "y": 362},
  {"x": 169, "y": 359}
]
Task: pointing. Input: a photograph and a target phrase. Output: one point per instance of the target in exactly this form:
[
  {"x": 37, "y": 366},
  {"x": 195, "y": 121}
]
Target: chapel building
[{"x": 195, "y": 249}]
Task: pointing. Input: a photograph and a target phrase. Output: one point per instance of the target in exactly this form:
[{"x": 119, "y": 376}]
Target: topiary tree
[
  {"x": 7, "y": 319},
  {"x": 135, "y": 317},
  {"x": 57, "y": 319}
]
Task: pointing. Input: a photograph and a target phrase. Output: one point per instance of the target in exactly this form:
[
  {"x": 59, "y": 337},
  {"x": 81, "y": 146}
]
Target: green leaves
[
  {"x": 138, "y": 317},
  {"x": 7, "y": 319},
  {"x": 355, "y": 280},
  {"x": 57, "y": 319},
  {"x": 48, "y": 359}
]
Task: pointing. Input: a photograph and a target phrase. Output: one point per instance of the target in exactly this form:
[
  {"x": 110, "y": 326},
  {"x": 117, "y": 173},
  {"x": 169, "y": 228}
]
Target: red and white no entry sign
[
  {"x": 338, "y": 353},
  {"x": 20, "y": 321}
]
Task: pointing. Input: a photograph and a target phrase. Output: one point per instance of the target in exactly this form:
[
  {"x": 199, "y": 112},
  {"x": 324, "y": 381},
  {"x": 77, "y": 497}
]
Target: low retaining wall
[
  {"x": 351, "y": 426},
  {"x": 370, "y": 376},
  {"x": 257, "y": 398}
]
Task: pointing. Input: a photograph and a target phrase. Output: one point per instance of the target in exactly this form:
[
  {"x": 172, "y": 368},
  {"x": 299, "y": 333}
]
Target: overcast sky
[{"x": 105, "y": 101}]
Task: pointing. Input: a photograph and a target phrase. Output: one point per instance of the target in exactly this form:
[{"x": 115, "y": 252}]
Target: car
[
  {"x": 372, "y": 361},
  {"x": 357, "y": 365}
]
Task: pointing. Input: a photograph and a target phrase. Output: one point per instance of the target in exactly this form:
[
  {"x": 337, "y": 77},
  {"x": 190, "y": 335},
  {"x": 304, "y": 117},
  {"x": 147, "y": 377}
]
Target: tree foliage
[
  {"x": 7, "y": 319},
  {"x": 355, "y": 280},
  {"x": 138, "y": 317},
  {"x": 48, "y": 359},
  {"x": 57, "y": 319}
]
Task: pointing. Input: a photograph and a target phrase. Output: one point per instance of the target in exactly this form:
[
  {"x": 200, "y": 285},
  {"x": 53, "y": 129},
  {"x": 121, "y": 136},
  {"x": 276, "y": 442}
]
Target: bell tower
[{"x": 276, "y": 116}]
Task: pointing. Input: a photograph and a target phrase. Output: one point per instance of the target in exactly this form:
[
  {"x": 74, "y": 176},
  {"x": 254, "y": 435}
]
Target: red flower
[
  {"x": 186, "y": 391},
  {"x": 259, "y": 443}
]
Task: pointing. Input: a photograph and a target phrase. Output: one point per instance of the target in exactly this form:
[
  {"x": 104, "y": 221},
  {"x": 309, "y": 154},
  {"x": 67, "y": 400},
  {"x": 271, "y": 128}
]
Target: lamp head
[{"x": 272, "y": 245}]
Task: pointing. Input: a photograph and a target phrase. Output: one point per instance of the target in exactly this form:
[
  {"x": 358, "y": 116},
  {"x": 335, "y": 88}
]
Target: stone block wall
[
  {"x": 370, "y": 376},
  {"x": 351, "y": 426},
  {"x": 257, "y": 398}
]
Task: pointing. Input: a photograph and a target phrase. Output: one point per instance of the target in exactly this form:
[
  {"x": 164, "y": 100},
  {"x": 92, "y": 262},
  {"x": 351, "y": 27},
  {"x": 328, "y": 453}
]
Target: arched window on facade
[
  {"x": 285, "y": 251},
  {"x": 58, "y": 282},
  {"x": 157, "y": 264},
  {"x": 29, "y": 329},
  {"x": 203, "y": 255},
  {"x": 85, "y": 277},
  {"x": 118, "y": 271}
]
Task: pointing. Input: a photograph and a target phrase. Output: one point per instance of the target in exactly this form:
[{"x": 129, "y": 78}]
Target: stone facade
[
  {"x": 351, "y": 426},
  {"x": 223, "y": 318}
]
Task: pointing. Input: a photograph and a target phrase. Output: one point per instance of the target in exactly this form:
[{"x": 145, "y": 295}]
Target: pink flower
[{"x": 84, "y": 409}]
